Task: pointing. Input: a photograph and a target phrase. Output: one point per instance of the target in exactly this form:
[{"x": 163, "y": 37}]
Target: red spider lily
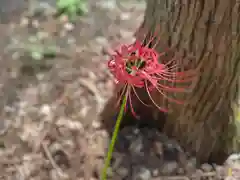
[{"x": 139, "y": 66}]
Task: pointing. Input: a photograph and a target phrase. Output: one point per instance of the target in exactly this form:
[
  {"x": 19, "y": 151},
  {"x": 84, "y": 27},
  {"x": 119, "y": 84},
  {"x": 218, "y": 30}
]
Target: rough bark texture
[{"x": 209, "y": 31}]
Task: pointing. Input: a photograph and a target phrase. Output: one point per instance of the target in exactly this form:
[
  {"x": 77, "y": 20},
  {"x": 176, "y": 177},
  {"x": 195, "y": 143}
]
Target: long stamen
[
  {"x": 134, "y": 90},
  {"x": 162, "y": 109},
  {"x": 158, "y": 39},
  {"x": 170, "y": 99},
  {"x": 144, "y": 36},
  {"x": 130, "y": 102},
  {"x": 121, "y": 95},
  {"x": 160, "y": 91},
  {"x": 150, "y": 40},
  {"x": 168, "y": 71},
  {"x": 188, "y": 72},
  {"x": 175, "y": 76},
  {"x": 176, "y": 67},
  {"x": 173, "y": 68},
  {"x": 169, "y": 62},
  {"x": 169, "y": 79},
  {"x": 171, "y": 89}
]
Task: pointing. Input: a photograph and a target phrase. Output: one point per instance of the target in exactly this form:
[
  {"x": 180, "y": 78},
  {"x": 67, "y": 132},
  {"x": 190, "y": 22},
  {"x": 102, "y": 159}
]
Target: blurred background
[{"x": 54, "y": 82}]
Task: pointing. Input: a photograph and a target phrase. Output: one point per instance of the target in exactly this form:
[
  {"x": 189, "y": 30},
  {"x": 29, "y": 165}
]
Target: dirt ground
[{"x": 50, "y": 128}]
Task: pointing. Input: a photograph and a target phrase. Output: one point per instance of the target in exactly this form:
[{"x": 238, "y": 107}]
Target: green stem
[{"x": 113, "y": 140}]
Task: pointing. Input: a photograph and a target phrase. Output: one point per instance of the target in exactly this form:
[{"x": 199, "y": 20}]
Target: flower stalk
[
  {"x": 140, "y": 66},
  {"x": 114, "y": 138}
]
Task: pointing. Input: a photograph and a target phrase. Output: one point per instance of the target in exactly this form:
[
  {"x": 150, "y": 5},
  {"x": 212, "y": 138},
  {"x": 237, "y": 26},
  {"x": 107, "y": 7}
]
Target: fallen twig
[
  {"x": 60, "y": 172},
  {"x": 92, "y": 88}
]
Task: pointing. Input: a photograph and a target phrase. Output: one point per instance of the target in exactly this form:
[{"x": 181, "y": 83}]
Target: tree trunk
[{"x": 209, "y": 31}]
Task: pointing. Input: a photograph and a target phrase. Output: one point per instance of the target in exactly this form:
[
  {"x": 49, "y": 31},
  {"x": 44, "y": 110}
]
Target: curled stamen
[
  {"x": 131, "y": 105},
  {"x": 149, "y": 95},
  {"x": 139, "y": 66},
  {"x": 134, "y": 90},
  {"x": 164, "y": 95},
  {"x": 168, "y": 98},
  {"x": 171, "y": 89},
  {"x": 161, "y": 77}
]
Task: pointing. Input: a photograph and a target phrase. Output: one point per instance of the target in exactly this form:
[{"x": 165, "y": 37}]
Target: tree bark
[{"x": 209, "y": 31}]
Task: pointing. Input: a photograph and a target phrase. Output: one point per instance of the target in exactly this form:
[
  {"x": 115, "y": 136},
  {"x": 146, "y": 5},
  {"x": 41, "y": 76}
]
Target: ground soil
[{"x": 50, "y": 107}]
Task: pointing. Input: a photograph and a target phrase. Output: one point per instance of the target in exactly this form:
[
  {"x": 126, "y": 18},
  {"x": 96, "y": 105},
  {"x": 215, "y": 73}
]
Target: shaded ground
[{"x": 49, "y": 126}]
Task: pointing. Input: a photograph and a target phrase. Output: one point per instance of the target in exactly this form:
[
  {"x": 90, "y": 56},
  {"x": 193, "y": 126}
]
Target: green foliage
[
  {"x": 38, "y": 50},
  {"x": 71, "y": 8}
]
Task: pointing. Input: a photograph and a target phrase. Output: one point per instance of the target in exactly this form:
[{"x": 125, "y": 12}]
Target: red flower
[{"x": 139, "y": 66}]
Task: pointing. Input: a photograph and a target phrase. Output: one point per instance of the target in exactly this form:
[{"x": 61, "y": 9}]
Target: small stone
[
  {"x": 155, "y": 172},
  {"x": 171, "y": 150},
  {"x": 197, "y": 174},
  {"x": 71, "y": 40},
  {"x": 110, "y": 4},
  {"x": 123, "y": 172},
  {"x": 180, "y": 171},
  {"x": 96, "y": 124},
  {"x": 136, "y": 147},
  {"x": 41, "y": 7},
  {"x": 40, "y": 77},
  {"x": 141, "y": 173},
  {"x": 233, "y": 158},
  {"x": 4, "y": 124},
  {"x": 70, "y": 124},
  {"x": 68, "y": 26},
  {"x": 45, "y": 109},
  {"x": 102, "y": 40},
  {"x": 206, "y": 167},
  {"x": 220, "y": 171},
  {"x": 35, "y": 23},
  {"x": 136, "y": 131},
  {"x": 42, "y": 35},
  {"x": 125, "y": 33},
  {"x": 158, "y": 148},
  {"x": 191, "y": 165},
  {"x": 24, "y": 22},
  {"x": 92, "y": 178},
  {"x": 64, "y": 19},
  {"x": 15, "y": 55},
  {"x": 169, "y": 168},
  {"x": 125, "y": 16}
]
